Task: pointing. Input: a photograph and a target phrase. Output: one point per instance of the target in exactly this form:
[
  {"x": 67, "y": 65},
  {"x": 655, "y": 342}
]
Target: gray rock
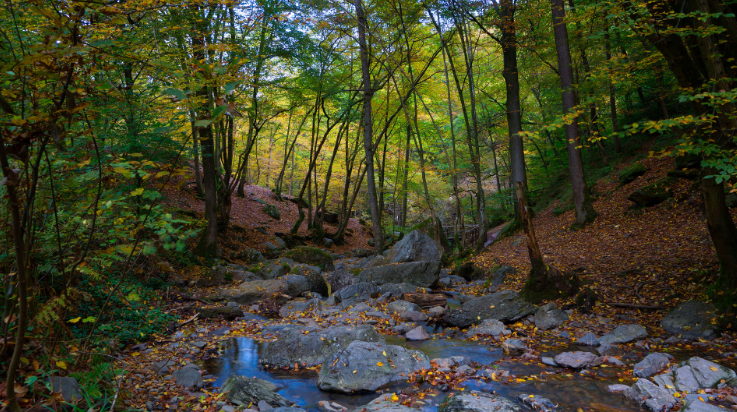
[
  {"x": 311, "y": 256},
  {"x": 372, "y": 368},
  {"x": 360, "y": 308},
  {"x": 357, "y": 292},
  {"x": 226, "y": 312},
  {"x": 624, "y": 334},
  {"x": 340, "y": 279},
  {"x": 163, "y": 367},
  {"x": 314, "y": 348},
  {"x": 491, "y": 327},
  {"x": 424, "y": 274},
  {"x": 418, "y": 333},
  {"x": 475, "y": 401},
  {"x": 505, "y": 306},
  {"x": 254, "y": 291},
  {"x": 618, "y": 388},
  {"x": 466, "y": 370},
  {"x": 549, "y": 317},
  {"x": 244, "y": 391},
  {"x": 415, "y": 247},
  {"x": 577, "y": 360},
  {"x": 314, "y": 277},
  {"x": 514, "y": 346},
  {"x": 263, "y": 406},
  {"x": 537, "y": 403},
  {"x": 451, "y": 281},
  {"x": 699, "y": 406},
  {"x": 650, "y": 395},
  {"x": 546, "y": 360},
  {"x": 652, "y": 364},
  {"x": 397, "y": 289},
  {"x": 384, "y": 403},
  {"x": 414, "y": 316},
  {"x": 588, "y": 339},
  {"x": 685, "y": 381},
  {"x": 691, "y": 320},
  {"x": 330, "y": 406},
  {"x": 402, "y": 306},
  {"x": 70, "y": 389},
  {"x": 608, "y": 349},
  {"x": 300, "y": 306},
  {"x": 403, "y": 328},
  {"x": 665, "y": 381},
  {"x": 189, "y": 377},
  {"x": 437, "y": 311},
  {"x": 709, "y": 374},
  {"x": 296, "y": 284},
  {"x": 500, "y": 275}
]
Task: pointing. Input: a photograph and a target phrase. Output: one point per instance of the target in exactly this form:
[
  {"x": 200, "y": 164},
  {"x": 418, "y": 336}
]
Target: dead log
[{"x": 426, "y": 300}]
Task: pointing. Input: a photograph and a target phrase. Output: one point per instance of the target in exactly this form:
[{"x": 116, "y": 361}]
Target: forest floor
[{"x": 657, "y": 256}]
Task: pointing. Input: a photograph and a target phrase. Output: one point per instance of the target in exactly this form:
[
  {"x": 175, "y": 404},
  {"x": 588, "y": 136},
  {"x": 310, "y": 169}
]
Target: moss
[
  {"x": 654, "y": 193},
  {"x": 631, "y": 173},
  {"x": 258, "y": 267},
  {"x": 356, "y": 271},
  {"x": 311, "y": 256}
]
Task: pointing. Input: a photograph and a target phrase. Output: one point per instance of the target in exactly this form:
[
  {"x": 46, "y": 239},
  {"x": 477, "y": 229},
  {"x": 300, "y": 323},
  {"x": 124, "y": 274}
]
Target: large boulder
[
  {"x": 314, "y": 277},
  {"x": 435, "y": 232},
  {"x": 650, "y": 395},
  {"x": 368, "y": 366},
  {"x": 424, "y": 273},
  {"x": 312, "y": 256},
  {"x": 249, "y": 292},
  {"x": 709, "y": 374},
  {"x": 415, "y": 247},
  {"x": 549, "y": 317},
  {"x": 475, "y": 401},
  {"x": 341, "y": 278},
  {"x": 296, "y": 284},
  {"x": 272, "y": 211},
  {"x": 624, "y": 334},
  {"x": 691, "y": 320},
  {"x": 505, "y": 306},
  {"x": 312, "y": 349},
  {"x": 357, "y": 292},
  {"x": 652, "y": 194},
  {"x": 244, "y": 391}
]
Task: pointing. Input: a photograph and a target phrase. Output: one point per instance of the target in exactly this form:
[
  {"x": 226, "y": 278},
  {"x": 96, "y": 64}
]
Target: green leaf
[
  {"x": 133, "y": 297},
  {"x": 230, "y": 86},
  {"x": 179, "y": 94},
  {"x": 202, "y": 123},
  {"x": 137, "y": 192}
]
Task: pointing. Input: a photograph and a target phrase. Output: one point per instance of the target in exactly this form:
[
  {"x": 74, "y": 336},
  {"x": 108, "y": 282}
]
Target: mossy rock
[
  {"x": 653, "y": 194},
  {"x": 631, "y": 173},
  {"x": 311, "y": 256},
  {"x": 688, "y": 161},
  {"x": 272, "y": 211}
]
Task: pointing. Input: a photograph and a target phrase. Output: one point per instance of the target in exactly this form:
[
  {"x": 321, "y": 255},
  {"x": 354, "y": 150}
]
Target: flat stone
[
  {"x": 537, "y": 403},
  {"x": 491, "y": 327},
  {"x": 514, "y": 346},
  {"x": 618, "y": 388},
  {"x": 475, "y": 401},
  {"x": 384, "y": 403},
  {"x": 692, "y": 320},
  {"x": 549, "y": 317},
  {"x": 244, "y": 391},
  {"x": 709, "y": 374},
  {"x": 546, "y": 360},
  {"x": 699, "y": 406},
  {"x": 505, "y": 306},
  {"x": 588, "y": 339},
  {"x": 70, "y": 389},
  {"x": 576, "y": 360},
  {"x": 652, "y": 364},
  {"x": 624, "y": 334},
  {"x": 418, "y": 333},
  {"x": 650, "y": 395},
  {"x": 402, "y": 306},
  {"x": 190, "y": 378},
  {"x": 685, "y": 380}
]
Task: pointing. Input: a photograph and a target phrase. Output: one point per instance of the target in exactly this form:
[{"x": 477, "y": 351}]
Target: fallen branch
[{"x": 633, "y": 306}]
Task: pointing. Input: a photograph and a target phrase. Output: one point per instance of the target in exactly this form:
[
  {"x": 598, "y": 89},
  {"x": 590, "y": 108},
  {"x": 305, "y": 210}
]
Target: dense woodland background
[{"x": 133, "y": 132}]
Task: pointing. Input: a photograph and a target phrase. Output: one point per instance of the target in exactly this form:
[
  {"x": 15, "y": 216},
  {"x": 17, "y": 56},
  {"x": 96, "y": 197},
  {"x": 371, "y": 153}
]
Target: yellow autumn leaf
[
  {"x": 714, "y": 368},
  {"x": 379, "y": 363},
  {"x": 75, "y": 320},
  {"x": 384, "y": 352},
  {"x": 61, "y": 364},
  {"x": 355, "y": 371},
  {"x": 137, "y": 192},
  {"x": 395, "y": 397}
]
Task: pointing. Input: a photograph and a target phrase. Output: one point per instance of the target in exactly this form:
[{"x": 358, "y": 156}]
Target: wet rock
[
  {"x": 384, "y": 403},
  {"x": 402, "y": 306},
  {"x": 418, "y": 333},
  {"x": 330, "y": 406},
  {"x": 491, "y": 327},
  {"x": 685, "y": 380},
  {"x": 415, "y": 247},
  {"x": 514, "y": 346},
  {"x": 414, "y": 316},
  {"x": 226, "y": 312},
  {"x": 608, "y": 349},
  {"x": 588, "y": 339},
  {"x": 296, "y": 285},
  {"x": 466, "y": 370},
  {"x": 357, "y": 292},
  {"x": 372, "y": 368},
  {"x": 424, "y": 274},
  {"x": 700, "y": 406},
  {"x": 314, "y": 348},
  {"x": 475, "y": 401},
  {"x": 652, "y": 364},
  {"x": 244, "y": 391},
  {"x": 437, "y": 311},
  {"x": 549, "y": 317},
  {"x": 505, "y": 306},
  {"x": 537, "y": 403},
  {"x": 546, "y": 360},
  {"x": 691, "y": 320},
  {"x": 300, "y": 306},
  {"x": 618, "y": 388},
  {"x": 403, "y": 328},
  {"x": 189, "y": 377},
  {"x": 650, "y": 395},
  {"x": 254, "y": 291},
  {"x": 709, "y": 374},
  {"x": 624, "y": 334},
  {"x": 577, "y": 359},
  {"x": 70, "y": 389},
  {"x": 613, "y": 360},
  {"x": 451, "y": 281}
]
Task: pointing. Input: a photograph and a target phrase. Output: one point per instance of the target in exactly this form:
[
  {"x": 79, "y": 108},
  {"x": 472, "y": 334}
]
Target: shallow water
[{"x": 569, "y": 390}]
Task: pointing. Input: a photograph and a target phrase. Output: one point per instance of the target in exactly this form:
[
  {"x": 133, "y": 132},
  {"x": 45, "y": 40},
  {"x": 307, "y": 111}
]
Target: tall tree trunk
[
  {"x": 585, "y": 212},
  {"x": 612, "y": 95},
  {"x": 368, "y": 131}
]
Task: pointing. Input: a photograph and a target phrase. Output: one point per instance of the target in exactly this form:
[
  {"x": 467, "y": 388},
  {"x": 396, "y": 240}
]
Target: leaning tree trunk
[{"x": 585, "y": 212}]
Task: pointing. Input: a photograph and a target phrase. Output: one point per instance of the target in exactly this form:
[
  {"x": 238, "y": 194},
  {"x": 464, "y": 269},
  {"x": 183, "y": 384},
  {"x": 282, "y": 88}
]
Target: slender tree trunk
[
  {"x": 196, "y": 152},
  {"x": 585, "y": 212},
  {"x": 612, "y": 96},
  {"x": 368, "y": 130}
]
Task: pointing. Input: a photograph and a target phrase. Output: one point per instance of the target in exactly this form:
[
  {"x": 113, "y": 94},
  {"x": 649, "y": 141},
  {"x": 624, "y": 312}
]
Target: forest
[{"x": 398, "y": 206}]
